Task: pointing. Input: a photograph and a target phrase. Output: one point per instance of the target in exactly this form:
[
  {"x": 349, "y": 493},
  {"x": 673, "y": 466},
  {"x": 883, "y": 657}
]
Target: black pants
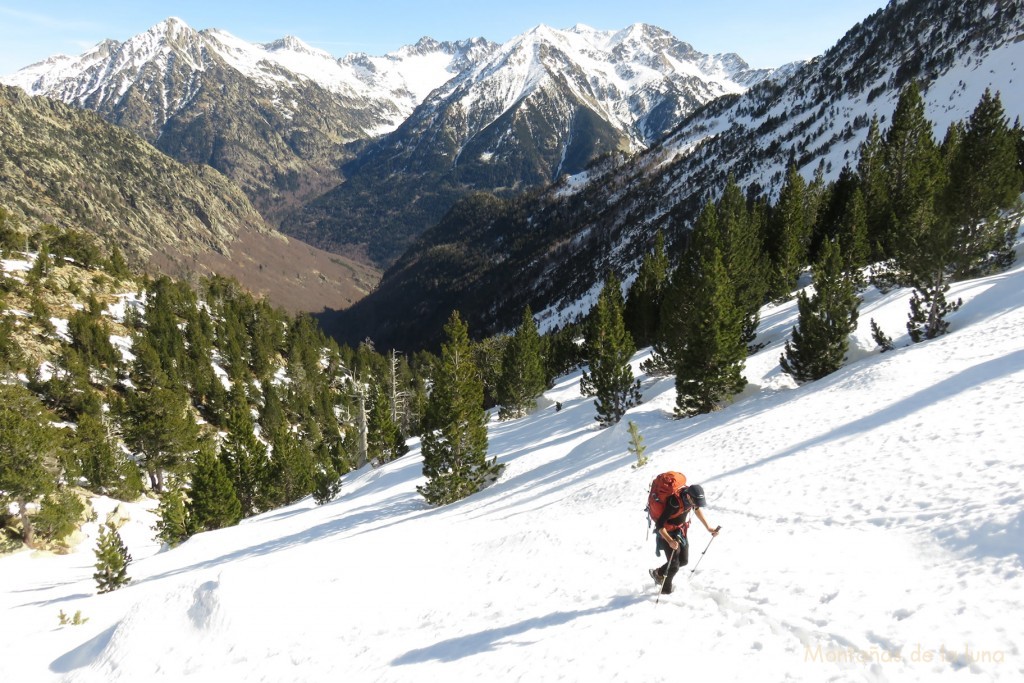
[{"x": 676, "y": 559}]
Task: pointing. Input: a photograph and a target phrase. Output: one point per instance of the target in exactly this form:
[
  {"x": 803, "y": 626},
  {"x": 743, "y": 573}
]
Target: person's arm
[
  {"x": 672, "y": 542},
  {"x": 700, "y": 516}
]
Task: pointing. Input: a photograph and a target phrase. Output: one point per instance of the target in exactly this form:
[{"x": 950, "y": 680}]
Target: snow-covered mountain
[
  {"x": 546, "y": 103},
  {"x": 560, "y": 244},
  {"x": 879, "y": 540},
  {"x": 640, "y": 79},
  {"x": 276, "y": 118},
  {"x": 388, "y": 87}
]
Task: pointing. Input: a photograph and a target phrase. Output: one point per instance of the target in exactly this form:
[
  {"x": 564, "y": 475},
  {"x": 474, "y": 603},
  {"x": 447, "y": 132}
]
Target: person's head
[{"x": 695, "y": 494}]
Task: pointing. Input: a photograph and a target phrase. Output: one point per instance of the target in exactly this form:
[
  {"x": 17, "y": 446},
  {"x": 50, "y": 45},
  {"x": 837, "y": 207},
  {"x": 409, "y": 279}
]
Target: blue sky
[{"x": 764, "y": 32}]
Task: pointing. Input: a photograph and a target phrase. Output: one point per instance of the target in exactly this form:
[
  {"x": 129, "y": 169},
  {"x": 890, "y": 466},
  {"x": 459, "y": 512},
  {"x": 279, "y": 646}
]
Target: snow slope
[{"x": 872, "y": 530}]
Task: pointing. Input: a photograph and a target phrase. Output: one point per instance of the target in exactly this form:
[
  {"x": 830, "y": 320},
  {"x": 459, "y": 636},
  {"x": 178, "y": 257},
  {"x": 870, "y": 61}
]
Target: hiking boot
[{"x": 656, "y": 574}]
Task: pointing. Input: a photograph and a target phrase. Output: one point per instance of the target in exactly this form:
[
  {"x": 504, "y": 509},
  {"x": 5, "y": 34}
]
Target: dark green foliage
[
  {"x": 112, "y": 560},
  {"x": 562, "y": 351},
  {"x": 522, "y": 370},
  {"x": 454, "y": 442},
  {"x": 292, "y": 472},
  {"x": 173, "y": 525},
  {"x": 844, "y": 218},
  {"x": 710, "y": 353},
  {"x": 90, "y": 337},
  {"x": 164, "y": 303},
  {"x": 41, "y": 266},
  {"x": 212, "y": 503},
  {"x": 883, "y": 340},
  {"x": 160, "y": 428},
  {"x": 59, "y": 514},
  {"x": 116, "y": 265},
  {"x": 105, "y": 468},
  {"x": 983, "y": 181},
  {"x": 10, "y": 353},
  {"x": 609, "y": 349},
  {"x": 79, "y": 246},
  {"x": 743, "y": 256},
  {"x": 643, "y": 304},
  {"x": 822, "y": 336},
  {"x": 327, "y": 473},
  {"x": 28, "y": 448},
  {"x": 489, "y": 355},
  {"x": 68, "y": 390},
  {"x": 928, "y": 311},
  {"x": 40, "y": 313},
  {"x": 791, "y": 232},
  {"x": 243, "y": 454},
  {"x": 384, "y": 439}
]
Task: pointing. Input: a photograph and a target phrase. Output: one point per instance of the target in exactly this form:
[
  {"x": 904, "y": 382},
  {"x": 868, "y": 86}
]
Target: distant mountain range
[
  {"x": 390, "y": 142},
  {"x": 487, "y": 176},
  {"x": 545, "y": 104},
  {"x": 489, "y": 258},
  {"x": 275, "y": 118}
]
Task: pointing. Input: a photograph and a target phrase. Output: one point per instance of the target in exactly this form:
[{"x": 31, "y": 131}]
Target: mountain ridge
[
  {"x": 65, "y": 166},
  {"x": 545, "y": 103},
  {"x": 560, "y": 242},
  {"x": 277, "y": 120}
]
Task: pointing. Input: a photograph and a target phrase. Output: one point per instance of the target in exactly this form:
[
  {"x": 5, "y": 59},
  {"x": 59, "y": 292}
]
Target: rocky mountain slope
[
  {"x": 275, "y": 118},
  {"x": 64, "y": 166},
  {"x": 545, "y": 104},
  {"x": 551, "y": 250}
]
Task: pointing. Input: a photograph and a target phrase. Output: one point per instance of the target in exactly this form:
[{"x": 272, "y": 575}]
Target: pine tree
[
  {"x": 112, "y": 560},
  {"x": 926, "y": 240},
  {"x": 522, "y": 371},
  {"x": 104, "y": 466},
  {"x": 291, "y": 468},
  {"x": 712, "y": 352},
  {"x": 59, "y": 515},
  {"x": 984, "y": 180},
  {"x": 822, "y": 336},
  {"x": 117, "y": 266},
  {"x": 874, "y": 183},
  {"x": 385, "y": 441},
  {"x": 636, "y": 445},
  {"x": 454, "y": 442},
  {"x": 610, "y": 348},
  {"x": 668, "y": 340},
  {"x": 28, "y": 448},
  {"x": 329, "y": 466},
  {"x": 643, "y": 305},
  {"x": 212, "y": 503},
  {"x": 243, "y": 454},
  {"x": 791, "y": 234},
  {"x": 160, "y": 427},
  {"x": 173, "y": 525},
  {"x": 845, "y": 220},
  {"x": 743, "y": 256}
]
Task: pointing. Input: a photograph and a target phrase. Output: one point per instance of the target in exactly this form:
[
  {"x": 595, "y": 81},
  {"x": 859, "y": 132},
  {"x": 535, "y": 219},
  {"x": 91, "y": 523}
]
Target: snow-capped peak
[
  {"x": 293, "y": 44},
  {"x": 391, "y": 85}
]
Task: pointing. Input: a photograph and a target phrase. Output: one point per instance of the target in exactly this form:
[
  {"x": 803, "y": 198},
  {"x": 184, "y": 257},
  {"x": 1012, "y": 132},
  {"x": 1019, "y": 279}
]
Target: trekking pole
[
  {"x": 719, "y": 528},
  {"x": 664, "y": 578}
]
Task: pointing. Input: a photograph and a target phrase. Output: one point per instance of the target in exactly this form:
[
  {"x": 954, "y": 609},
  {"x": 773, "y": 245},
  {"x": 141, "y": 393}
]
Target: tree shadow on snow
[{"x": 485, "y": 641}]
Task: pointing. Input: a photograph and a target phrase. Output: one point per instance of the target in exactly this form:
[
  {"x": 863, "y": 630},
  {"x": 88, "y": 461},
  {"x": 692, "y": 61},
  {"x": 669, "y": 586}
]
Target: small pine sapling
[
  {"x": 112, "y": 560},
  {"x": 636, "y": 445},
  {"x": 76, "y": 620},
  {"x": 884, "y": 341}
]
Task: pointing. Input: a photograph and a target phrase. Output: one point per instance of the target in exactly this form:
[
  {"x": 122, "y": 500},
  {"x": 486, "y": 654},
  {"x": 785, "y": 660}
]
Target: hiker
[{"x": 671, "y": 529}]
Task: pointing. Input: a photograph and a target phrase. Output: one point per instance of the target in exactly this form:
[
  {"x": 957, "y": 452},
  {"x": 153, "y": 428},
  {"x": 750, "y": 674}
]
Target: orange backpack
[{"x": 664, "y": 486}]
